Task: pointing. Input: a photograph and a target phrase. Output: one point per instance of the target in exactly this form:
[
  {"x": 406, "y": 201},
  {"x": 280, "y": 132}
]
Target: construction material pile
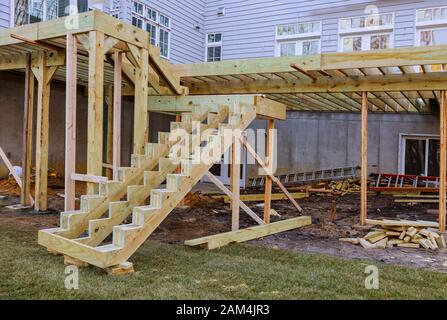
[
  {"x": 344, "y": 187},
  {"x": 400, "y": 236}
]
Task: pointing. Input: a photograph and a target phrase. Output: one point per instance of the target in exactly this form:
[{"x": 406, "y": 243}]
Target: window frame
[
  {"x": 420, "y": 30},
  {"x": 366, "y": 45},
  {"x": 213, "y": 45},
  {"x": 297, "y": 38},
  {"x": 298, "y": 46},
  {"x": 432, "y": 23}
]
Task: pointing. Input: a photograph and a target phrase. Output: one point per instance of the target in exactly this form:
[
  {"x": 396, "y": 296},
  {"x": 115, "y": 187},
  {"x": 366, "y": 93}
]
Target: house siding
[
  {"x": 248, "y": 27},
  {"x": 5, "y": 12}
]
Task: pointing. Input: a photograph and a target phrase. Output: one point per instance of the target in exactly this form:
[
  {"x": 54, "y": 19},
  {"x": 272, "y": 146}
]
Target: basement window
[{"x": 214, "y": 47}]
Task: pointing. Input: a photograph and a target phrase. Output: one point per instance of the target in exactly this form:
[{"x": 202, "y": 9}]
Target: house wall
[
  {"x": 310, "y": 141},
  {"x": 5, "y": 13},
  {"x": 248, "y": 27}
]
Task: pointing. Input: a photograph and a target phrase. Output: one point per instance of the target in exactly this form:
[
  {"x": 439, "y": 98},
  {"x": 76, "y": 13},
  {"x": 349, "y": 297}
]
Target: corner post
[
  {"x": 269, "y": 163},
  {"x": 235, "y": 176},
  {"x": 364, "y": 160},
  {"x": 70, "y": 122},
  {"x": 27, "y": 138},
  {"x": 443, "y": 160},
  {"x": 95, "y": 107}
]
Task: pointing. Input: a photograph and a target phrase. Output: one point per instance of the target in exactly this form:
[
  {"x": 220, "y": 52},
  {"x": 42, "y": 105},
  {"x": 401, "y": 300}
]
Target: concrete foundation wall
[{"x": 313, "y": 141}]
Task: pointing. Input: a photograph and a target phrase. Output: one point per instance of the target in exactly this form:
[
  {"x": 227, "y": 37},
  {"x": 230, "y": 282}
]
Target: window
[
  {"x": 298, "y": 39},
  {"x": 31, "y": 11},
  {"x": 137, "y": 8},
  {"x": 366, "y": 42},
  {"x": 214, "y": 47},
  {"x": 419, "y": 155},
  {"x": 431, "y": 26},
  {"x": 157, "y": 24},
  {"x": 363, "y": 23}
]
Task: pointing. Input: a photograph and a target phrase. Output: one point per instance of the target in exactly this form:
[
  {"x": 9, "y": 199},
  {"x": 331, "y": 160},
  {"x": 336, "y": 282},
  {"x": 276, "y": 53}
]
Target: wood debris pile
[
  {"x": 400, "y": 236},
  {"x": 345, "y": 186}
]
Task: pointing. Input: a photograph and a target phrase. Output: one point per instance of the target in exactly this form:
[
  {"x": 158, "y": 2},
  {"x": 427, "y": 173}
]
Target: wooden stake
[
  {"x": 70, "y": 122},
  {"x": 235, "y": 179},
  {"x": 443, "y": 160},
  {"x": 117, "y": 80},
  {"x": 269, "y": 163},
  {"x": 43, "y": 106},
  {"x": 364, "y": 160},
  {"x": 25, "y": 195},
  {"x": 95, "y": 107}
]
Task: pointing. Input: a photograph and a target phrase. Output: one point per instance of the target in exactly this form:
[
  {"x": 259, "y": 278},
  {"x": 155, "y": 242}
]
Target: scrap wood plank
[
  {"x": 260, "y": 196},
  {"x": 416, "y": 200},
  {"x": 223, "y": 239},
  {"x": 409, "y": 223}
]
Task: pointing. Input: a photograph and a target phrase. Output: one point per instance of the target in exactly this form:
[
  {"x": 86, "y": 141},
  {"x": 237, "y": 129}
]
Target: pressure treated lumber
[
  {"x": 117, "y": 80},
  {"x": 223, "y": 239},
  {"x": 235, "y": 181},
  {"x": 406, "y": 223},
  {"x": 261, "y": 196},
  {"x": 70, "y": 122},
  {"x": 27, "y": 135},
  {"x": 140, "y": 134},
  {"x": 364, "y": 160},
  {"x": 269, "y": 156},
  {"x": 95, "y": 107},
  {"x": 442, "y": 161}
]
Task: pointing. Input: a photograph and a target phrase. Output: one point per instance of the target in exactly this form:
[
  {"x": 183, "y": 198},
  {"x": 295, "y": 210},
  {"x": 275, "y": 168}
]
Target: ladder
[
  {"x": 82, "y": 233},
  {"x": 404, "y": 182}
]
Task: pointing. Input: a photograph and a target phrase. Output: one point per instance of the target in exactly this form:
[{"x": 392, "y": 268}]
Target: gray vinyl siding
[
  {"x": 4, "y": 13},
  {"x": 248, "y": 26},
  {"x": 187, "y": 43}
]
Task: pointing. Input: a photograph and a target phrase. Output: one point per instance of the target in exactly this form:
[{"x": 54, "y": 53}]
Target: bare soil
[{"x": 200, "y": 215}]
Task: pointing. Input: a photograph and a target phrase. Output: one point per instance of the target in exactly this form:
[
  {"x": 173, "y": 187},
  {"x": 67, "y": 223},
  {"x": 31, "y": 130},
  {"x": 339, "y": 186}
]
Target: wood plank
[
  {"x": 223, "y": 239},
  {"x": 258, "y": 197},
  {"x": 117, "y": 80},
  {"x": 364, "y": 160},
  {"x": 27, "y": 136},
  {"x": 95, "y": 107},
  {"x": 70, "y": 122},
  {"x": 10, "y": 167},
  {"x": 442, "y": 161},
  {"x": 404, "y": 223},
  {"x": 88, "y": 178},
  {"x": 109, "y": 139},
  {"x": 269, "y": 152}
]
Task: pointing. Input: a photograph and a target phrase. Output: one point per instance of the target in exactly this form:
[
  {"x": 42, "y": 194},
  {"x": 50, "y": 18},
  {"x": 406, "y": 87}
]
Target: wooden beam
[
  {"x": 35, "y": 43},
  {"x": 235, "y": 179},
  {"x": 70, "y": 122},
  {"x": 260, "y": 196},
  {"x": 223, "y": 239},
  {"x": 42, "y": 132},
  {"x": 10, "y": 167},
  {"x": 109, "y": 139},
  {"x": 27, "y": 136},
  {"x": 270, "y": 174},
  {"x": 265, "y": 108},
  {"x": 301, "y": 70},
  {"x": 269, "y": 152},
  {"x": 88, "y": 178},
  {"x": 95, "y": 107},
  {"x": 117, "y": 80},
  {"x": 229, "y": 194},
  {"x": 141, "y": 114},
  {"x": 442, "y": 161},
  {"x": 364, "y": 160}
]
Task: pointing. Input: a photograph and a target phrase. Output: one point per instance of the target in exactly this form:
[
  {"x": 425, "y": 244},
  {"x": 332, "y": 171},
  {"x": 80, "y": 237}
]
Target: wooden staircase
[{"x": 82, "y": 232}]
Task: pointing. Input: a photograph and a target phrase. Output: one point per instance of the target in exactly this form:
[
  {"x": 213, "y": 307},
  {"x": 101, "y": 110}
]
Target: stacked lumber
[
  {"x": 400, "y": 236},
  {"x": 345, "y": 186}
]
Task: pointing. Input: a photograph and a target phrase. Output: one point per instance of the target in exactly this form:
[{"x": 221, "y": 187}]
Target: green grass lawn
[{"x": 166, "y": 271}]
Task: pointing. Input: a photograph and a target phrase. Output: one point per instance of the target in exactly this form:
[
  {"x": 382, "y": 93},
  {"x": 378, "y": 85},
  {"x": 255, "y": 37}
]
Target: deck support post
[
  {"x": 364, "y": 160},
  {"x": 141, "y": 114},
  {"x": 235, "y": 180},
  {"x": 27, "y": 138},
  {"x": 117, "y": 82},
  {"x": 70, "y": 122},
  {"x": 44, "y": 75},
  {"x": 95, "y": 107},
  {"x": 443, "y": 161},
  {"x": 269, "y": 163},
  {"x": 109, "y": 139}
]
